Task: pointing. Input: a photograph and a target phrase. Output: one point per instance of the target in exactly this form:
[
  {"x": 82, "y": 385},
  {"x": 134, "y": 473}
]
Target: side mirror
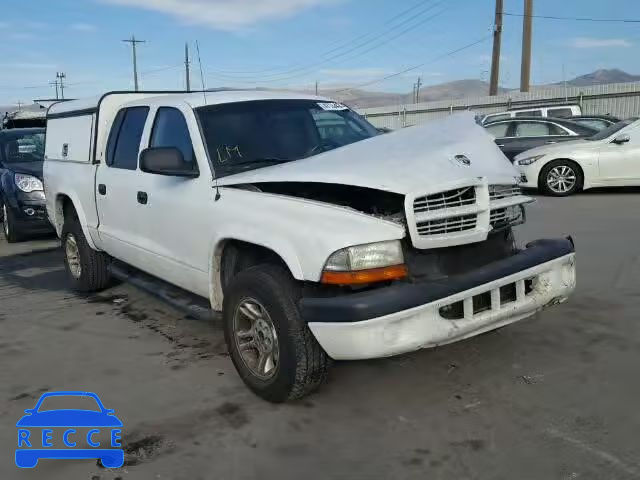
[
  {"x": 167, "y": 161},
  {"x": 620, "y": 139}
]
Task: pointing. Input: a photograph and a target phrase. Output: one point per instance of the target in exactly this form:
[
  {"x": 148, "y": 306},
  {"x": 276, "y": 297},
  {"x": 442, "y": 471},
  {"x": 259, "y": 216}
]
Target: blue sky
[{"x": 293, "y": 43}]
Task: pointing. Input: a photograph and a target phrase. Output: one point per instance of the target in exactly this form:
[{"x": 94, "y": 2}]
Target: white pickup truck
[{"x": 317, "y": 237}]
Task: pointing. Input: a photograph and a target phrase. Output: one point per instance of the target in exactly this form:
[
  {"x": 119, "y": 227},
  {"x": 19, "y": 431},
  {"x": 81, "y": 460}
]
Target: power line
[
  {"x": 340, "y": 43},
  {"x": 414, "y": 67},
  {"x": 302, "y": 71},
  {"x": 576, "y": 19}
]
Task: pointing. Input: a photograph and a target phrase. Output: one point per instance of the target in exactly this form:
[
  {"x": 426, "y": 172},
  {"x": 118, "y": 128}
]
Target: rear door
[
  {"x": 528, "y": 134},
  {"x": 116, "y": 185}
]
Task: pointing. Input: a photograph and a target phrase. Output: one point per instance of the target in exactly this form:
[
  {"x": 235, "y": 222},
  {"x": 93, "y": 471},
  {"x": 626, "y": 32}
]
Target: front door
[
  {"x": 177, "y": 213},
  {"x": 116, "y": 185},
  {"x": 620, "y": 163}
]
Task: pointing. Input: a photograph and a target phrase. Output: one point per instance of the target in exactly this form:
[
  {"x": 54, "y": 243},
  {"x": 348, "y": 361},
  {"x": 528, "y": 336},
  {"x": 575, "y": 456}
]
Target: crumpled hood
[{"x": 409, "y": 160}]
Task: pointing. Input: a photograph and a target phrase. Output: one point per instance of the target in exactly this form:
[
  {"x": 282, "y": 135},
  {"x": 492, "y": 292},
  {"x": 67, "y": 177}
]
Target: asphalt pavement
[{"x": 552, "y": 397}]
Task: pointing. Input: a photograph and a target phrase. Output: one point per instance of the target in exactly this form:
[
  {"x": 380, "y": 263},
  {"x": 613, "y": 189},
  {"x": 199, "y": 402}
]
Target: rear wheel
[
  {"x": 272, "y": 349},
  {"x": 87, "y": 269},
  {"x": 9, "y": 229},
  {"x": 561, "y": 178}
]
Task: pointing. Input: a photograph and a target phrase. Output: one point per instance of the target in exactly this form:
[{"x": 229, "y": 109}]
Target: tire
[
  {"x": 302, "y": 365},
  {"x": 92, "y": 273},
  {"x": 11, "y": 233},
  {"x": 571, "y": 172}
]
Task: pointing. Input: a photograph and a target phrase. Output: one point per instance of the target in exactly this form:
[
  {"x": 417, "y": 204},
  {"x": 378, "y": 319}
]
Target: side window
[
  {"x": 559, "y": 112},
  {"x": 531, "y": 129},
  {"x": 529, "y": 113},
  {"x": 113, "y": 136},
  {"x": 123, "y": 153},
  {"x": 556, "y": 130},
  {"x": 499, "y": 130},
  {"x": 495, "y": 118},
  {"x": 170, "y": 130}
]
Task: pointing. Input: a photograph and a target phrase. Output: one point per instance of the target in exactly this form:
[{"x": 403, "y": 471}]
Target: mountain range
[{"x": 461, "y": 89}]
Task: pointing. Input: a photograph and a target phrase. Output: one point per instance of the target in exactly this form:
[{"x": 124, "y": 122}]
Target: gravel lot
[{"x": 554, "y": 397}]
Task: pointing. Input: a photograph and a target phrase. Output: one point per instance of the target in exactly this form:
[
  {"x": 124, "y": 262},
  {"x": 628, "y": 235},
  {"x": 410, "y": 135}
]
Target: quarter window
[
  {"x": 124, "y": 140},
  {"x": 556, "y": 130},
  {"x": 170, "y": 130},
  {"x": 529, "y": 113}
]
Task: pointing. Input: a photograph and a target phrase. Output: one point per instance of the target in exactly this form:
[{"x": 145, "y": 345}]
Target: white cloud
[
  {"x": 587, "y": 42},
  {"x": 28, "y": 66},
  {"x": 224, "y": 14},
  {"x": 83, "y": 27},
  {"x": 354, "y": 72},
  {"x": 21, "y": 36}
]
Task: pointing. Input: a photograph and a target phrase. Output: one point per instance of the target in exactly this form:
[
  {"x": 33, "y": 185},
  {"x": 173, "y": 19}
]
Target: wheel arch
[
  {"x": 68, "y": 204},
  {"x": 246, "y": 252},
  {"x": 565, "y": 159}
]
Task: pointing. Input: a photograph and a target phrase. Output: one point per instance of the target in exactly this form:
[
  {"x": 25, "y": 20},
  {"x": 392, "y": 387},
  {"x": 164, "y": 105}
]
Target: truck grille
[
  {"x": 458, "y": 197},
  {"x": 441, "y": 226},
  {"x": 498, "y": 192}
]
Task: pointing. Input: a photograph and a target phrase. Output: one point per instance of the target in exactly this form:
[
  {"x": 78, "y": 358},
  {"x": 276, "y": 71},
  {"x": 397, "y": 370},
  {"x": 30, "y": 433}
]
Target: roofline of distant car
[{"x": 540, "y": 119}]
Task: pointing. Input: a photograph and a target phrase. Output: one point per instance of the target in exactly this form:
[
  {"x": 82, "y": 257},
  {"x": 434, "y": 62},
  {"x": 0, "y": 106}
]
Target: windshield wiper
[{"x": 272, "y": 160}]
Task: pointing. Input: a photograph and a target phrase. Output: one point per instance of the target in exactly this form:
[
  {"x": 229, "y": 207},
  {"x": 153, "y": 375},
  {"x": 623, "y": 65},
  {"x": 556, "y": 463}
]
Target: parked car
[
  {"x": 555, "y": 111},
  {"x": 350, "y": 245},
  {"x": 520, "y": 134},
  {"x": 22, "y": 203},
  {"x": 599, "y": 122},
  {"x": 607, "y": 159}
]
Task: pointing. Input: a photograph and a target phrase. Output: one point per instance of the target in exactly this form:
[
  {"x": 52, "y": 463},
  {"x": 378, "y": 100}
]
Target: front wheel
[
  {"x": 271, "y": 347},
  {"x": 560, "y": 178},
  {"x": 9, "y": 229},
  {"x": 87, "y": 269}
]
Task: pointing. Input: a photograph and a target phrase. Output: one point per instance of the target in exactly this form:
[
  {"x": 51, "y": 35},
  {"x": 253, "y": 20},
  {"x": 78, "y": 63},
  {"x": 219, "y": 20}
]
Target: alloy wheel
[
  {"x": 561, "y": 179},
  {"x": 256, "y": 338}
]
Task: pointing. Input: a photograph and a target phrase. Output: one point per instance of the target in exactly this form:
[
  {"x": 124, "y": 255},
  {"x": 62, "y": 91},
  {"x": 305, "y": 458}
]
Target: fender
[
  {"x": 58, "y": 216},
  {"x": 250, "y": 234}
]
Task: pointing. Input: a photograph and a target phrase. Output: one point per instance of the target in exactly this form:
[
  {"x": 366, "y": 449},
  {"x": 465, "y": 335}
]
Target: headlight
[
  {"x": 369, "y": 263},
  {"x": 529, "y": 160},
  {"x": 28, "y": 183}
]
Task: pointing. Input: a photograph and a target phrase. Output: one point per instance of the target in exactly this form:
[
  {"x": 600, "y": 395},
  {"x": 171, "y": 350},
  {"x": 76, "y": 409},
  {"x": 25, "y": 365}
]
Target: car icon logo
[
  {"x": 41, "y": 427},
  {"x": 462, "y": 160}
]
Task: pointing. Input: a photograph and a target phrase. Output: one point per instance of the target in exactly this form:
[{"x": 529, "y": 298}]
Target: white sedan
[{"x": 611, "y": 158}]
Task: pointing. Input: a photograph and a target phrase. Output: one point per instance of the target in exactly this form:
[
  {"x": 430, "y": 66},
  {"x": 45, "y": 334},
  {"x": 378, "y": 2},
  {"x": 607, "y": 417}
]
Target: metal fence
[{"x": 619, "y": 99}]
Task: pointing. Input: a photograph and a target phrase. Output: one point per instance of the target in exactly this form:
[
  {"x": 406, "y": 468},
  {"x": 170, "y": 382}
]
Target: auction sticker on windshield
[
  {"x": 89, "y": 431},
  {"x": 332, "y": 106}
]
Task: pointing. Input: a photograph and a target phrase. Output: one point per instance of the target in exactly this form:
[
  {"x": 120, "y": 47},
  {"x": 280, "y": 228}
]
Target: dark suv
[{"x": 22, "y": 203}]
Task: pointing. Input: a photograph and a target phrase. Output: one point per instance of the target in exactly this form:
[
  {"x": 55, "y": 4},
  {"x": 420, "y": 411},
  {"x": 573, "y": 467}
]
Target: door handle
[
  {"x": 550, "y": 142},
  {"x": 500, "y": 144},
  {"x": 102, "y": 189},
  {"x": 142, "y": 198}
]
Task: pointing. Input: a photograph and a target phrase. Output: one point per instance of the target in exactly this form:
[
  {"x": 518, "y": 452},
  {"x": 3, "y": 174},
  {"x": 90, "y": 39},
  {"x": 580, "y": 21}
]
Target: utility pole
[
  {"x": 133, "y": 43},
  {"x": 60, "y": 76},
  {"x": 186, "y": 67},
  {"x": 418, "y": 85},
  {"x": 497, "y": 44},
  {"x": 527, "y": 28},
  {"x": 316, "y": 87},
  {"x": 56, "y": 85}
]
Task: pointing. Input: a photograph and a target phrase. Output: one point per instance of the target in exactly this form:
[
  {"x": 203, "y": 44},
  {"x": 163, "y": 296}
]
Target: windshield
[
  {"x": 613, "y": 129},
  {"x": 17, "y": 147},
  {"x": 69, "y": 402},
  {"x": 248, "y": 135}
]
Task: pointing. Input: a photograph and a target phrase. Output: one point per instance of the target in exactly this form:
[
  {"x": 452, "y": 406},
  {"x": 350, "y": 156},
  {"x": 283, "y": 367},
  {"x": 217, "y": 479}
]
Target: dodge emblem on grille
[{"x": 463, "y": 160}]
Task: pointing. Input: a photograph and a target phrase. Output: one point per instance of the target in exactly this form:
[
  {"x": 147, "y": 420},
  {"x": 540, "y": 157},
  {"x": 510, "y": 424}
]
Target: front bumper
[
  {"x": 30, "y": 212},
  {"x": 407, "y": 317}
]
